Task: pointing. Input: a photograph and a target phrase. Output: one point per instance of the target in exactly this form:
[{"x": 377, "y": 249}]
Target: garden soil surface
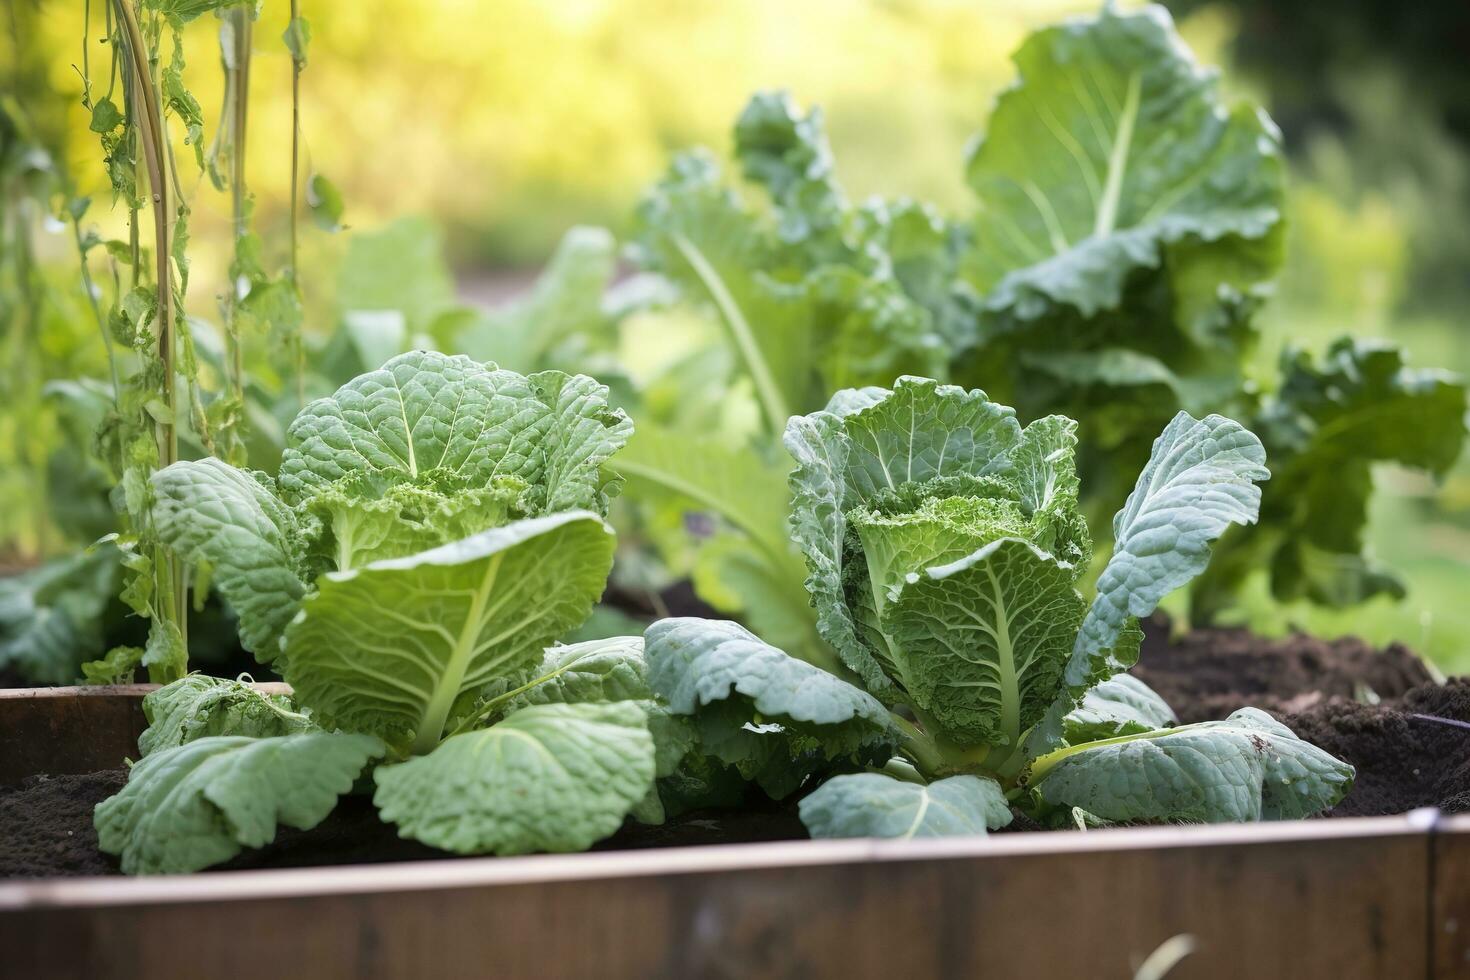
[{"x": 1379, "y": 709}]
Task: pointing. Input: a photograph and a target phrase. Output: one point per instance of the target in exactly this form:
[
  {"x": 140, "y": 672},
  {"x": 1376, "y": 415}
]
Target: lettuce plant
[
  {"x": 435, "y": 526},
  {"x": 945, "y": 549}
]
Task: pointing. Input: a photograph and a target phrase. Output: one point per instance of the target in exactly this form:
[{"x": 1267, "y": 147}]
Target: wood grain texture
[
  {"x": 1450, "y": 933},
  {"x": 66, "y": 730},
  {"x": 1339, "y": 905}
]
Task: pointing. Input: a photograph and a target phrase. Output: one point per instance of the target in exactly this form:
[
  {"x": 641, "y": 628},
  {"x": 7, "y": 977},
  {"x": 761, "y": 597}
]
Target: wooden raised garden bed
[{"x": 1365, "y": 897}]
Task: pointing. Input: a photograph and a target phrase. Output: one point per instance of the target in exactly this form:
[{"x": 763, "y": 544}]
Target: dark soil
[
  {"x": 46, "y": 825},
  {"x": 1404, "y": 757},
  {"x": 1207, "y": 674},
  {"x": 46, "y": 831}
]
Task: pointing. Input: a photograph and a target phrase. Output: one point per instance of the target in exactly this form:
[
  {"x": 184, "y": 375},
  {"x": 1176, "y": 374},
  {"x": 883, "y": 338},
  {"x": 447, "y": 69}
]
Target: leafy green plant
[
  {"x": 434, "y": 526},
  {"x": 945, "y": 547},
  {"x": 1128, "y": 227}
]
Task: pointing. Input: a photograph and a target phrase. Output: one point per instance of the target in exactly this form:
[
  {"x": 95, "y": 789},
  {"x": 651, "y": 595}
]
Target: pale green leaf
[
  {"x": 1245, "y": 768},
  {"x": 209, "y": 511},
  {"x": 1113, "y": 153},
  {"x": 551, "y": 777},
  {"x": 876, "y": 805},
  {"x": 200, "y": 803},
  {"x": 396, "y": 647}
]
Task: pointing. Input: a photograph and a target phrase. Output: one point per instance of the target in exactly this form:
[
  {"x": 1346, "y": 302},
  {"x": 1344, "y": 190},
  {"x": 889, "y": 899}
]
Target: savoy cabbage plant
[
  {"x": 945, "y": 550},
  {"x": 1128, "y": 224},
  {"x": 435, "y": 526}
]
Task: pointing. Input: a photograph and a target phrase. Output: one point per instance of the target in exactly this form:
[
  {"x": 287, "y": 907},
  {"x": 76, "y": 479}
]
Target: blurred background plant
[{"x": 501, "y": 126}]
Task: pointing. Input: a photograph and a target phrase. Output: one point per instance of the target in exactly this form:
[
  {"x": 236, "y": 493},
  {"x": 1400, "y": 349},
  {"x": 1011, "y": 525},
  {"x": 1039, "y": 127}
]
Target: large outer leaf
[
  {"x": 392, "y": 648},
  {"x": 1247, "y": 767},
  {"x": 1330, "y": 421},
  {"x": 775, "y": 718},
  {"x": 981, "y": 642},
  {"x": 754, "y": 571},
  {"x": 198, "y": 706},
  {"x": 552, "y": 777},
  {"x": 210, "y": 511},
  {"x": 870, "y": 440},
  {"x": 564, "y": 307},
  {"x": 1114, "y": 152},
  {"x": 694, "y": 663},
  {"x": 51, "y": 616},
  {"x": 875, "y": 805},
  {"x": 1200, "y": 479},
  {"x": 426, "y": 417},
  {"x": 200, "y": 803}
]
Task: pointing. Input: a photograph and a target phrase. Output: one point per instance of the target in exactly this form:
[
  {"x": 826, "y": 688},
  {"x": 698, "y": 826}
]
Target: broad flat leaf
[
  {"x": 395, "y": 647},
  {"x": 1120, "y": 705},
  {"x": 399, "y": 267},
  {"x": 1330, "y": 421},
  {"x": 209, "y": 511},
  {"x": 51, "y": 616},
  {"x": 875, "y": 805},
  {"x": 694, "y": 664},
  {"x": 563, "y": 308},
  {"x": 595, "y": 670},
  {"x": 198, "y": 706},
  {"x": 1114, "y": 152},
  {"x": 981, "y": 641},
  {"x": 200, "y": 803},
  {"x": 551, "y": 777},
  {"x": 601, "y": 671},
  {"x": 1245, "y": 768},
  {"x": 741, "y": 581},
  {"x": 777, "y": 719},
  {"x": 449, "y": 422},
  {"x": 1200, "y": 479},
  {"x": 695, "y": 231}
]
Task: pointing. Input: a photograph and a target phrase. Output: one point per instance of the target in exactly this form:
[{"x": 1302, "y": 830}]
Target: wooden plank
[
  {"x": 1340, "y": 899},
  {"x": 1450, "y": 930},
  {"x": 66, "y": 730}
]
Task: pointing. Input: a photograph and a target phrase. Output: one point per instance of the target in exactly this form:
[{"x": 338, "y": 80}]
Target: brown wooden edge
[{"x": 69, "y": 730}]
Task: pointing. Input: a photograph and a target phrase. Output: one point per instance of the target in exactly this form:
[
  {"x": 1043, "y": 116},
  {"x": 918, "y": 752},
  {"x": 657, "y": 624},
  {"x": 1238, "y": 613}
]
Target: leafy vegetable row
[{"x": 437, "y": 524}]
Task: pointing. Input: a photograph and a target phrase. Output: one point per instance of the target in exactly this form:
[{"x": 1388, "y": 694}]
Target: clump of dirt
[
  {"x": 1208, "y": 673},
  {"x": 1408, "y": 752},
  {"x": 46, "y": 825}
]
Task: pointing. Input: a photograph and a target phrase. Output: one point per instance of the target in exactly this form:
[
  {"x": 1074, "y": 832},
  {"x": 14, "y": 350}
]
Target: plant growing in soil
[
  {"x": 434, "y": 526},
  {"x": 945, "y": 546},
  {"x": 1129, "y": 226}
]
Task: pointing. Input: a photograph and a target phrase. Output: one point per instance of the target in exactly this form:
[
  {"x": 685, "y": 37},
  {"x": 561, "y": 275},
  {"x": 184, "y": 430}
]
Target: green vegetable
[
  {"x": 486, "y": 492},
  {"x": 202, "y": 802},
  {"x": 875, "y": 805},
  {"x": 945, "y": 546}
]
